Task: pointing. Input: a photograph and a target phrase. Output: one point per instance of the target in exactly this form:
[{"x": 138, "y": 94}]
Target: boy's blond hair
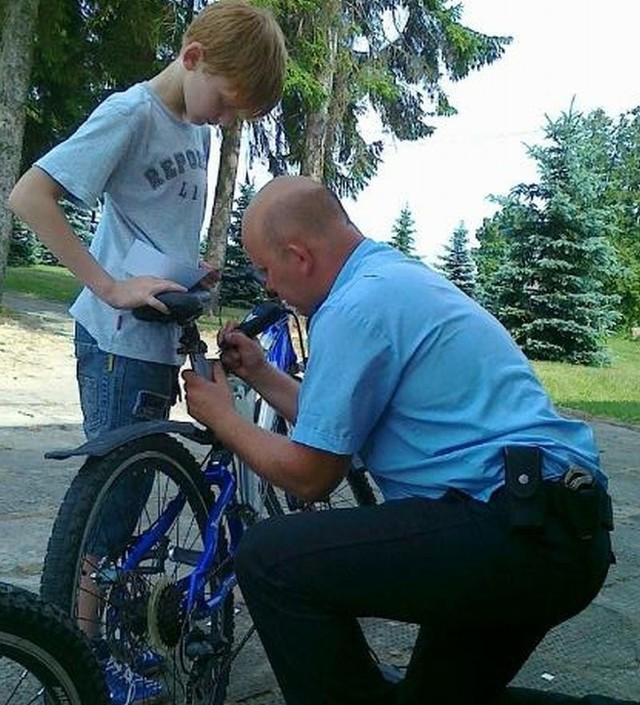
[{"x": 245, "y": 45}]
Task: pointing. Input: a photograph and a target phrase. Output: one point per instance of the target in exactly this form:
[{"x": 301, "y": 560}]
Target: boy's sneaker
[
  {"x": 128, "y": 688},
  {"x": 147, "y": 662}
]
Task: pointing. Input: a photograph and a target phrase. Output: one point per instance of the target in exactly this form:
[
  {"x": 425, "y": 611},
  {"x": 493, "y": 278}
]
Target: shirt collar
[{"x": 348, "y": 268}]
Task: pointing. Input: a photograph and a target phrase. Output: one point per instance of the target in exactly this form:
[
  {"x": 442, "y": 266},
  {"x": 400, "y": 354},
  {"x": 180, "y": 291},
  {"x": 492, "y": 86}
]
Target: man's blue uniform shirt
[{"x": 424, "y": 384}]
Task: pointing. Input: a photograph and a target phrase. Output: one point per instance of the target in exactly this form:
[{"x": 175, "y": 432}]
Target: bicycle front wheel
[
  {"x": 132, "y": 600},
  {"x": 44, "y": 658}
]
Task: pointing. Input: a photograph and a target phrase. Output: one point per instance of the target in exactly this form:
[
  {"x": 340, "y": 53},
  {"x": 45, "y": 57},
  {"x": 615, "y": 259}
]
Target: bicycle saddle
[{"x": 184, "y": 307}]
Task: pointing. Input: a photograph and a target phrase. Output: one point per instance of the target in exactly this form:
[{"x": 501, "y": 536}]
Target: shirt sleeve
[
  {"x": 84, "y": 162},
  {"x": 348, "y": 384}
]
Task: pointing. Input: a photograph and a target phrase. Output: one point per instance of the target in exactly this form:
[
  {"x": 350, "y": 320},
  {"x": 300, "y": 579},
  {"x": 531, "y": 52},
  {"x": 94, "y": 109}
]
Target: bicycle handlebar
[{"x": 261, "y": 317}]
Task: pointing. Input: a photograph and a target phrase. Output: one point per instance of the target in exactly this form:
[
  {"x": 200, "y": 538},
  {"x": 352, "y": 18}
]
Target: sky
[{"x": 584, "y": 50}]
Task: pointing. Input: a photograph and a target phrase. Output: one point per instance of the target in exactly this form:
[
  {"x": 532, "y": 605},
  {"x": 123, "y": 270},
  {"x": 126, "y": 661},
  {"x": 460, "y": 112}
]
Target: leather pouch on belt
[
  {"x": 523, "y": 481},
  {"x": 587, "y": 504}
]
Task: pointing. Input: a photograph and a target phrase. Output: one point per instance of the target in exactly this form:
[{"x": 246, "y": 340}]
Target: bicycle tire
[
  {"x": 140, "y": 609},
  {"x": 44, "y": 655},
  {"x": 266, "y": 500}
]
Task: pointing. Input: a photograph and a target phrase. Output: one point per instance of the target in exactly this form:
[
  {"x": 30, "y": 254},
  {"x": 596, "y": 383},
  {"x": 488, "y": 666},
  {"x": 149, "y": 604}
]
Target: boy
[{"x": 144, "y": 152}]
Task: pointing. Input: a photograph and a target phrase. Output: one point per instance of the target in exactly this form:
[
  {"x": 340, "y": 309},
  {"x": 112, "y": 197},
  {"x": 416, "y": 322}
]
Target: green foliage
[
  {"x": 26, "y": 249},
  {"x": 489, "y": 255},
  {"x": 240, "y": 292},
  {"x": 457, "y": 263},
  {"x": 404, "y": 230},
  {"x": 391, "y": 57},
  {"x": 550, "y": 290},
  {"x": 622, "y": 195}
]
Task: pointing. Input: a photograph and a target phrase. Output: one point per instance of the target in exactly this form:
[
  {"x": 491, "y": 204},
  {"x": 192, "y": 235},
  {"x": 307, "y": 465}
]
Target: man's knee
[{"x": 251, "y": 557}]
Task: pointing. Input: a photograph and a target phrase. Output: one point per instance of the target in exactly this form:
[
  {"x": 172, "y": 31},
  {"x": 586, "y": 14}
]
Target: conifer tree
[
  {"x": 550, "y": 291},
  {"x": 242, "y": 292},
  {"x": 404, "y": 230},
  {"x": 457, "y": 263}
]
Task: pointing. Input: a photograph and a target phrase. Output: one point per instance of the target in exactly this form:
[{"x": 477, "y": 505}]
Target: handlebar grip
[{"x": 261, "y": 317}]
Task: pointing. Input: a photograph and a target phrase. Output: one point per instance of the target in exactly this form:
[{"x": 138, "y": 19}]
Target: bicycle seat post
[{"x": 192, "y": 345}]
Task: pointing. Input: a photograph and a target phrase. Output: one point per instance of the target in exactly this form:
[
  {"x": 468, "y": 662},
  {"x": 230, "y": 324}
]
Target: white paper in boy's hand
[{"x": 144, "y": 260}]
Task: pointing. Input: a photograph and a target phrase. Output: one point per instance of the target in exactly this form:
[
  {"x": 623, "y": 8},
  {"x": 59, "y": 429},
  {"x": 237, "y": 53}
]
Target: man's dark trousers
[{"x": 484, "y": 594}]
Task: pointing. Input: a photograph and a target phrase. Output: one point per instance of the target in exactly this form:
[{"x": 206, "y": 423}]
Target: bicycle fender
[{"x": 110, "y": 440}]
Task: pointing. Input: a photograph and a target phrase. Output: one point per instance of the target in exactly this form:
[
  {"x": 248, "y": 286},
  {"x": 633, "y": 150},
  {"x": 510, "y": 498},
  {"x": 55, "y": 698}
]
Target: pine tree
[
  {"x": 551, "y": 290},
  {"x": 404, "y": 230},
  {"x": 457, "y": 263},
  {"x": 242, "y": 292},
  {"x": 26, "y": 249},
  {"x": 488, "y": 257}
]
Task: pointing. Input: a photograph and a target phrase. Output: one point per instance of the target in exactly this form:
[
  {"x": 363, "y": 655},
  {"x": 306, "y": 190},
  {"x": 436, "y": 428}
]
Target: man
[{"x": 445, "y": 411}]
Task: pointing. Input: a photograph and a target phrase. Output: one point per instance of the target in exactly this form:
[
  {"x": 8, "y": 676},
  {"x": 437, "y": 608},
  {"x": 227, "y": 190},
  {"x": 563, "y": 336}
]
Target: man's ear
[
  {"x": 302, "y": 255},
  {"x": 191, "y": 55}
]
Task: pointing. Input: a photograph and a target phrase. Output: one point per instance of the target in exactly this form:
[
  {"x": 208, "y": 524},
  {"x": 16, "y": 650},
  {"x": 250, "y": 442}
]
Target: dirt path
[
  {"x": 37, "y": 365},
  {"x": 37, "y": 379}
]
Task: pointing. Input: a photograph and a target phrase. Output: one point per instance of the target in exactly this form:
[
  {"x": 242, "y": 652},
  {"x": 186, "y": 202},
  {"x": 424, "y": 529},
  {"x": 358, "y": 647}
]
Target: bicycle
[
  {"x": 164, "y": 572},
  {"x": 43, "y": 656}
]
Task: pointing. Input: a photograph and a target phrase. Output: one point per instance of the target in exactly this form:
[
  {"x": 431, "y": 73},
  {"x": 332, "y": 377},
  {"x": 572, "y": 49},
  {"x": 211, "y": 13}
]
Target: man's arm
[
  {"x": 279, "y": 389},
  {"x": 307, "y": 473},
  {"x": 35, "y": 200}
]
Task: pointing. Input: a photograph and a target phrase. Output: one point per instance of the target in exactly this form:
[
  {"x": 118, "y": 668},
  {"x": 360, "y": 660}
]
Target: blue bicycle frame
[{"x": 218, "y": 473}]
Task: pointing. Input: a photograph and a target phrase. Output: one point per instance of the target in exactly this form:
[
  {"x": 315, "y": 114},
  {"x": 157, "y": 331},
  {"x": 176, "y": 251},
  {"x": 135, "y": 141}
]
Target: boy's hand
[{"x": 140, "y": 291}]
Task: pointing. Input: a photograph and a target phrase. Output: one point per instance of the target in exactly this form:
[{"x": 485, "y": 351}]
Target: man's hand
[
  {"x": 206, "y": 399},
  {"x": 139, "y": 291},
  {"x": 240, "y": 355}
]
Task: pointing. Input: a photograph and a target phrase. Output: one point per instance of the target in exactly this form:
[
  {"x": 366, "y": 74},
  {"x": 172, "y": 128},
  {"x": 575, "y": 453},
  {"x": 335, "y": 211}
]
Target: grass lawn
[
  {"x": 609, "y": 392},
  {"x": 43, "y": 282},
  {"x": 57, "y": 284}
]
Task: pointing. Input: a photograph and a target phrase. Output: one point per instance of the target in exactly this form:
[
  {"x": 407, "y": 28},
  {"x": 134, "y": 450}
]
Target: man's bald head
[
  {"x": 297, "y": 232},
  {"x": 296, "y": 207}
]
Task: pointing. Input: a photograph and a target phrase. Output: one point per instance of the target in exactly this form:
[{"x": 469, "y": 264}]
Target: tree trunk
[
  {"x": 223, "y": 198},
  {"x": 313, "y": 157},
  {"x": 18, "y": 22}
]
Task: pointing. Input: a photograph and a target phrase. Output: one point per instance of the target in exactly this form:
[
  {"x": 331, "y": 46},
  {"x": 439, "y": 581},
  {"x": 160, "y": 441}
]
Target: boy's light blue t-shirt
[
  {"x": 150, "y": 170},
  {"x": 424, "y": 384}
]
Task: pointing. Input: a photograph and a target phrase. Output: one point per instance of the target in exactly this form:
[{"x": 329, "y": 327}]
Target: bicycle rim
[
  {"x": 43, "y": 657},
  {"x": 30, "y": 674},
  {"x": 141, "y": 605}
]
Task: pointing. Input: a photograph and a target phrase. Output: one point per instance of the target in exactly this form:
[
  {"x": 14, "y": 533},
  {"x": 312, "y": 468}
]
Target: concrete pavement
[{"x": 597, "y": 651}]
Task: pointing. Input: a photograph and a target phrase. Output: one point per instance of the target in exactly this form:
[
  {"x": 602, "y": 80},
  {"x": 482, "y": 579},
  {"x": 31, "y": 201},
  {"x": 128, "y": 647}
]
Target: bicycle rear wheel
[
  {"x": 44, "y": 658},
  {"x": 135, "y": 605},
  {"x": 266, "y": 500}
]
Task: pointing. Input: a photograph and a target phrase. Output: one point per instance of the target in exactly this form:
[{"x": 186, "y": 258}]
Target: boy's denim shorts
[{"x": 117, "y": 391}]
